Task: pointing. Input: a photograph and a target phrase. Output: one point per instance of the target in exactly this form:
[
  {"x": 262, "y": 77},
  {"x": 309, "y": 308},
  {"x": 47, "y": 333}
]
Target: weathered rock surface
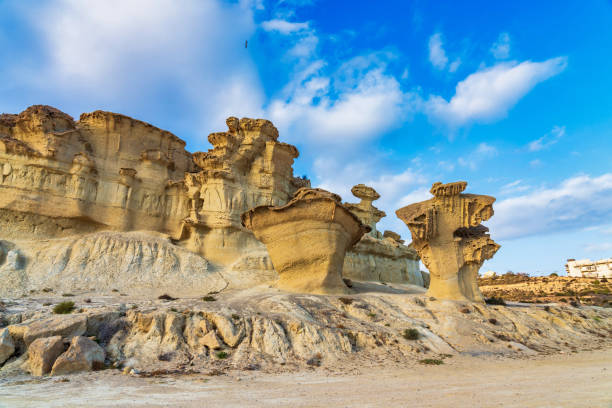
[
  {"x": 447, "y": 234},
  {"x": 58, "y": 325},
  {"x": 275, "y": 331},
  {"x": 378, "y": 257},
  {"x": 42, "y": 353},
  {"x": 131, "y": 261},
  {"x": 82, "y": 355},
  {"x": 307, "y": 239},
  {"x": 7, "y": 345},
  {"x": 63, "y": 182}
]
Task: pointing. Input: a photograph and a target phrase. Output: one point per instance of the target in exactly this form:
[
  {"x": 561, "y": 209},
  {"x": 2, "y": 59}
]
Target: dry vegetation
[{"x": 523, "y": 288}]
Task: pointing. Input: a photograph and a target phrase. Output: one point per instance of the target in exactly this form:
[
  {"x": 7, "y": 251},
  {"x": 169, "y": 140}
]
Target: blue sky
[{"x": 513, "y": 97}]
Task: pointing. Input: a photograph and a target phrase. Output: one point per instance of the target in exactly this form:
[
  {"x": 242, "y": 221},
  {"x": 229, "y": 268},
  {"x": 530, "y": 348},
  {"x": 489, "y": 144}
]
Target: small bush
[
  {"x": 597, "y": 318},
  {"x": 493, "y": 321},
  {"x": 221, "y": 355},
  {"x": 47, "y": 290},
  {"x": 166, "y": 297},
  {"x": 235, "y": 316},
  {"x": 431, "y": 361},
  {"x": 63, "y": 308},
  {"x": 209, "y": 298},
  {"x": 67, "y": 294},
  {"x": 495, "y": 301},
  {"x": 345, "y": 300},
  {"x": 47, "y": 304},
  {"x": 554, "y": 275},
  {"x": 372, "y": 315},
  {"x": 411, "y": 334},
  {"x": 465, "y": 310}
]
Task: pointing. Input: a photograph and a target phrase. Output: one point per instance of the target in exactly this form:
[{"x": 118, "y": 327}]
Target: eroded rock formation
[
  {"x": 449, "y": 238},
  {"x": 307, "y": 239},
  {"x": 65, "y": 184},
  {"x": 378, "y": 257}
]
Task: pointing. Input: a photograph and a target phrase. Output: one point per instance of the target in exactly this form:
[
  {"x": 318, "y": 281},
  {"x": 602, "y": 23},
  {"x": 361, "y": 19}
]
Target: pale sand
[{"x": 575, "y": 380}]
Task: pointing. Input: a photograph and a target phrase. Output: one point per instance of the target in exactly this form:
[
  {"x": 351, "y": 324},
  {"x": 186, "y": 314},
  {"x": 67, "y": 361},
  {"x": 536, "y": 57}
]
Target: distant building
[
  {"x": 489, "y": 274},
  {"x": 585, "y": 268}
]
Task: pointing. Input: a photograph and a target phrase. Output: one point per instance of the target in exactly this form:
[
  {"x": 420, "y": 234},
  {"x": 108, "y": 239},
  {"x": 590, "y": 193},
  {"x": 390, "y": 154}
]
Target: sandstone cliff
[{"x": 111, "y": 201}]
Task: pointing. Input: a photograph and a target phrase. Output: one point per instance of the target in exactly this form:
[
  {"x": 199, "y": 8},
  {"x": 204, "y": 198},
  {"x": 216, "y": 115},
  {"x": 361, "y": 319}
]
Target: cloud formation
[
  {"x": 501, "y": 48},
  {"x": 283, "y": 26},
  {"x": 547, "y": 140},
  {"x": 488, "y": 94},
  {"x": 577, "y": 202},
  {"x": 437, "y": 55}
]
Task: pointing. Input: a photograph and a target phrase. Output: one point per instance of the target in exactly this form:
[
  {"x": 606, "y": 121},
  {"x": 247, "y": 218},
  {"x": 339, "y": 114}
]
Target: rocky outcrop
[
  {"x": 307, "y": 239},
  {"x": 447, "y": 234},
  {"x": 42, "y": 353},
  {"x": 82, "y": 355},
  {"x": 133, "y": 262},
  {"x": 271, "y": 330},
  {"x": 247, "y": 167},
  {"x": 378, "y": 257},
  {"x": 109, "y": 198}
]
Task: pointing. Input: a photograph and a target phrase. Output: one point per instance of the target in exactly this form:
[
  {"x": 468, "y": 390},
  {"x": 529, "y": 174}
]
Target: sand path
[{"x": 576, "y": 380}]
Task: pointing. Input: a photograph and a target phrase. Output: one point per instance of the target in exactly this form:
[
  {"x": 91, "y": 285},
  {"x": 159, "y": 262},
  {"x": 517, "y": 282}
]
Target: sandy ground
[{"x": 565, "y": 380}]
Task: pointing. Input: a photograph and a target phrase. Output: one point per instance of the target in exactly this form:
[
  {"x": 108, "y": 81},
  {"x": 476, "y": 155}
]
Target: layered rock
[
  {"x": 449, "y": 238},
  {"x": 307, "y": 239},
  {"x": 378, "y": 257},
  {"x": 65, "y": 185},
  {"x": 247, "y": 167},
  {"x": 104, "y": 171}
]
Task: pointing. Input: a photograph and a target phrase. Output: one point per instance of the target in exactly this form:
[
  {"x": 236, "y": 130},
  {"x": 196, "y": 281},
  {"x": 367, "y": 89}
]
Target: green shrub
[
  {"x": 554, "y": 274},
  {"x": 209, "y": 298},
  {"x": 431, "y": 361},
  {"x": 495, "y": 301},
  {"x": 67, "y": 294},
  {"x": 63, "y": 308},
  {"x": 411, "y": 334},
  {"x": 221, "y": 355},
  {"x": 346, "y": 300}
]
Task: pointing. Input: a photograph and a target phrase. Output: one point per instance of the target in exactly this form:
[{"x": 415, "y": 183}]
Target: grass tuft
[
  {"x": 63, "y": 308},
  {"x": 495, "y": 301},
  {"x": 411, "y": 334},
  {"x": 431, "y": 361}
]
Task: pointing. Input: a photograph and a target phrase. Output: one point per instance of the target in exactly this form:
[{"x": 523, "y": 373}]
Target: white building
[{"x": 585, "y": 268}]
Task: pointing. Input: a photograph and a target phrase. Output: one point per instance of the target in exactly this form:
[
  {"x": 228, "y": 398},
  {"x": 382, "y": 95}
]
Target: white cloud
[
  {"x": 535, "y": 163},
  {"x": 284, "y": 26},
  {"x": 483, "y": 151},
  {"x": 437, "y": 55},
  {"x": 599, "y": 247},
  {"x": 488, "y": 94},
  {"x": 547, "y": 140},
  {"x": 514, "y": 187},
  {"x": 116, "y": 53},
  {"x": 454, "y": 65},
  {"x": 355, "y": 103},
  {"x": 577, "y": 202},
  {"x": 501, "y": 48}
]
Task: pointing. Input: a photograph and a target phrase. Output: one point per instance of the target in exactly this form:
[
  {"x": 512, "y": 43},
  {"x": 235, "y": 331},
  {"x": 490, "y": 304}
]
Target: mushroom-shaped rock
[
  {"x": 364, "y": 210},
  {"x": 307, "y": 240},
  {"x": 448, "y": 236}
]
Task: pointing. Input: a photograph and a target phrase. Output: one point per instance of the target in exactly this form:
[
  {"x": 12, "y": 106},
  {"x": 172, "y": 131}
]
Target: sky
[{"x": 512, "y": 97}]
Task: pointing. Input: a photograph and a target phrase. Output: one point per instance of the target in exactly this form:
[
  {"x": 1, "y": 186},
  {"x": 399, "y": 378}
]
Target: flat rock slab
[{"x": 66, "y": 326}]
